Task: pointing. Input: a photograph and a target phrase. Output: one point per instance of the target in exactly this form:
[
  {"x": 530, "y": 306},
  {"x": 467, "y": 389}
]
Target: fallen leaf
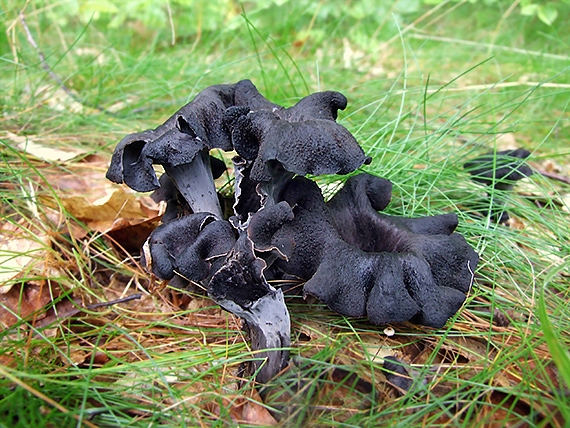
[
  {"x": 102, "y": 206},
  {"x": 7, "y": 360},
  {"x": 131, "y": 237},
  {"x": 19, "y": 249},
  {"x": 70, "y": 307},
  {"x": 63, "y": 309},
  {"x": 29, "y": 145},
  {"x": 506, "y": 141},
  {"x": 60, "y": 100},
  {"x": 254, "y": 413},
  {"x": 22, "y": 301},
  {"x": 118, "y": 208},
  {"x": 550, "y": 166}
]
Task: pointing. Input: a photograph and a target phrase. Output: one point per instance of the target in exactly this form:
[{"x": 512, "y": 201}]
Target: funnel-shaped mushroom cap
[
  {"x": 203, "y": 115},
  {"x": 186, "y": 161},
  {"x": 247, "y": 95},
  {"x": 353, "y": 209},
  {"x": 184, "y": 155},
  {"x": 129, "y": 167},
  {"x": 304, "y": 139},
  {"x": 178, "y": 146},
  {"x": 364, "y": 194},
  {"x": 500, "y": 169},
  {"x": 360, "y": 263},
  {"x": 189, "y": 246},
  {"x": 317, "y": 106}
]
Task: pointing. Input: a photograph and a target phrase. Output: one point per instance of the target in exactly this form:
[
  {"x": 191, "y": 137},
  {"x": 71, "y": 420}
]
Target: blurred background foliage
[
  {"x": 333, "y": 36},
  {"x": 361, "y": 20}
]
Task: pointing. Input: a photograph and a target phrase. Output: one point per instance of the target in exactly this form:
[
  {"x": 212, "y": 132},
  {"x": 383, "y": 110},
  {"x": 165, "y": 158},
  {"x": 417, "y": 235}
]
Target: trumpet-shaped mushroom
[
  {"x": 274, "y": 144},
  {"x": 192, "y": 247},
  {"x": 501, "y": 169},
  {"x": 181, "y": 145},
  {"x": 176, "y": 205},
  {"x": 128, "y": 167},
  {"x": 356, "y": 260},
  {"x": 204, "y": 115},
  {"x": 303, "y": 139},
  {"x": 186, "y": 160},
  {"x": 388, "y": 273}
]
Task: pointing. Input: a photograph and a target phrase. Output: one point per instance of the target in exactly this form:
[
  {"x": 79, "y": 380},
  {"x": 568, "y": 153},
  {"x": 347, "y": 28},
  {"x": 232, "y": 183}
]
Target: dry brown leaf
[
  {"x": 19, "y": 250},
  {"x": 29, "y": 144},
  {"x": 20, "y": 302},
  {"x": 378, "y": 352},
  {"x": 60, "y": 100},
  {"x": 63, "y": 309},
  {"x": 251, "y": 412},
  {"x": 103, "y": 206},
  {"x": 7, "y": 360},
  {"x": 243, "y": 410},
  {"x": 550, "y": 166},
  {"x": 115, "y": 205},
  {"x": 473, "y": 349},
  {"x": 507, "y": 141}
]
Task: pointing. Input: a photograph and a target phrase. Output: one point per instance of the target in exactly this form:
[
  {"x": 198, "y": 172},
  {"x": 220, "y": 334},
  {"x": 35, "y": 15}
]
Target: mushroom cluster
[{"x": 357, "y": 260}]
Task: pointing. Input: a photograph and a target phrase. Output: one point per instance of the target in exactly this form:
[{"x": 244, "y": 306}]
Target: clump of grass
[{"x": 420, "y": 104}]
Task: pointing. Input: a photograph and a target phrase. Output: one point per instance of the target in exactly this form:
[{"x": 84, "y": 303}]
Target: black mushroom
[
  {"x": 186, "y": 161},
  {"x": 176, "y": 205},
  {"x": 303, "y": 139},
  {"x": 274, "y": 144},
  {"x": 356, "y": 260},
  {"x": 192, "y": 247},
  {"x": 277, "y": 143},
  {"x": 204, "y": 115},
  {"x": 388, "y": 272},
  {"x": 240, "y": 287},
  {"x": 182, "y": 146},
  {"x": 499, "y": 171}
]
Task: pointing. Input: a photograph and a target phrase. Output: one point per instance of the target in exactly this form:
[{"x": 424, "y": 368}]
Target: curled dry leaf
[
  {"x": 88, "y": 197},
  {"x": 252, "y": 412},
  {"x": 117, "y": 209}
]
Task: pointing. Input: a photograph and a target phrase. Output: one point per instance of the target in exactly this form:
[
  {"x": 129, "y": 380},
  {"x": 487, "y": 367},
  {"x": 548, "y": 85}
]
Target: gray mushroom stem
[
  {"x": 194, "y": 181},
  {"x": 240, "y": 287},
  {"x": 269, "y": 330}
]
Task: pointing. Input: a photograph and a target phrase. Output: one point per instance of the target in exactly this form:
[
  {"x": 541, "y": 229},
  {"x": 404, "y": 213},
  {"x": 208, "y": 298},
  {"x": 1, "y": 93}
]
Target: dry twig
[{"x": 553, "y": 176}]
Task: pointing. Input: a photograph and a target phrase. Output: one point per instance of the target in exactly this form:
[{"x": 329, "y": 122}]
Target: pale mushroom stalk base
[
  {"x": 240, "y": 287},
  {"x": 269, "y": 331}
]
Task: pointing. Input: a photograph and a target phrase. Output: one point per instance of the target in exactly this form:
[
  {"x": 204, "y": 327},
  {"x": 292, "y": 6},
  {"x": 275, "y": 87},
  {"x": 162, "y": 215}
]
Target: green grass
[{"x": 423, "y": 98}]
